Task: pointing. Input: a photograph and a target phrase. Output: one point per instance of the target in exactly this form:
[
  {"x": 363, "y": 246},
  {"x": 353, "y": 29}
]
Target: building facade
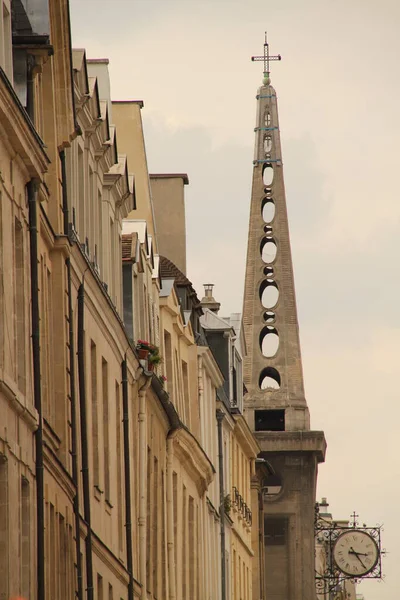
[{"x": 125, "y": 459}]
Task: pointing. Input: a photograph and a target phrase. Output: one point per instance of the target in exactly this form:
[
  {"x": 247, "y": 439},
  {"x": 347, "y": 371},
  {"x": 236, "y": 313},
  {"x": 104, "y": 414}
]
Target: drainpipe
[
  {"x": 170, "y": 521},
  {"x": 64, "y": 191},
  {"x": 127, "y": 464},
  {"x": 37, "y": 391},
  {"x": 84, "y": 441},
  {"x": 143, "y": 482},
  {"x": 74, "y": 440},
  {"x": 220, "y": 418}
]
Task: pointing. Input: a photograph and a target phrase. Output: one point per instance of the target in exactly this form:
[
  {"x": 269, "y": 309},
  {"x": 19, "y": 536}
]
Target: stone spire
[
  {"x": 275, "y": 405},
  {"x": 273, "y": 370}
]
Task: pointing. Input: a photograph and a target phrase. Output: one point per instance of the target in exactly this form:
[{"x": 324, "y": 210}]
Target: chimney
[{"x": 209, "y": 301}]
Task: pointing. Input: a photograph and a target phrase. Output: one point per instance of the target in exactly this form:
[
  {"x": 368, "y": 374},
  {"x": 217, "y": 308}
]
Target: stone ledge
[{"x": 293, "y": 441}]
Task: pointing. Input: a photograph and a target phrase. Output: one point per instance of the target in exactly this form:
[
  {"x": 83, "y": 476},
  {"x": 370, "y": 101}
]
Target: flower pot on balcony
[{"x": 143, "y": 353}]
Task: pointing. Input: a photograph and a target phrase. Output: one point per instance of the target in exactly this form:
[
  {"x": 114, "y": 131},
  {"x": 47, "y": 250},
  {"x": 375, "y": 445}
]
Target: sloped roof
[
  {"x": 169, "y": 270},
  {"x": 210, "y": 320}
]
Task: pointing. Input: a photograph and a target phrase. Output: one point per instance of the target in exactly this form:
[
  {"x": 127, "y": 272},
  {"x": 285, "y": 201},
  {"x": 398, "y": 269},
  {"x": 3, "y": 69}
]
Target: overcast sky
[{"x": 338, "y": 87}]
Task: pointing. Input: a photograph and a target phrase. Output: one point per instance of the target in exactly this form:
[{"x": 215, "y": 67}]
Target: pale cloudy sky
[{"x": 338, "y": 87}]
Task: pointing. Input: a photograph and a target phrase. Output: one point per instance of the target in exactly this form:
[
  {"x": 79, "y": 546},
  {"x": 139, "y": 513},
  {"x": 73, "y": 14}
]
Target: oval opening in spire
[
  {"x": 268, "y": 249},
  {"x": 268, "y": 210},
  {"x": 269, "y": 293},
  {"x": 267, "y": 118},
  {"x": 270, "y": 379},
  {"x": 268, "y": 174},
  {"x": 269, "y": 341}
]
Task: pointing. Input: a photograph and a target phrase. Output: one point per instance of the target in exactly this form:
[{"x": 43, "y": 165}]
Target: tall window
[
  {"x": 19, "y": 304},
  {"x": 192, "y": 550},
  {"x": 100, "y": 590},
  {"x": 148, "y": 520},
  {"x": 25, "y": 539},
  {"x": 106, "y": 429},
  {"x": 155, "y": 526},
  {"x": 92, "y": 213},
  {"x": 4, "y": 526},
  {"x": 46, "y": 339},
  {"x": 119, "y": 467},
  {"x": 185, "y": 556},
  {"x": 95, "y": 413},
  {"x": 186, "y": 402},
  {"x": 169, "y": 364},
  {"x": 5, "y": 41},
  {"x": 163, "y": 587},
  {"x": 81, "y": 195},
  {"x": 63, "y": 582},
  {"x": 178, "y": 389},
  {"x": 52, "y": 545},
  {"x": 2, "y": 338},
  {"x": 175, "y": 508}
]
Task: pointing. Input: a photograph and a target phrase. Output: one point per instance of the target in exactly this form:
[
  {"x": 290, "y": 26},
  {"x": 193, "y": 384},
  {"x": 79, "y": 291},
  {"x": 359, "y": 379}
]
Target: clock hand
[{"x": 352, "y": 551}]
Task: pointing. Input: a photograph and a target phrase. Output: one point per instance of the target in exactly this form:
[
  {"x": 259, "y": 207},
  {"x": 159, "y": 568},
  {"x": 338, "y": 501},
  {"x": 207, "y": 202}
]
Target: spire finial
[{"x": 266, "y": 58}]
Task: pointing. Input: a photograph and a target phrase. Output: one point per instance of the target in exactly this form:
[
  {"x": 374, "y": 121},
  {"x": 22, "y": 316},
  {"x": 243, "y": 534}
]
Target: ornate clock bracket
[{"x": 331, "y": 577}]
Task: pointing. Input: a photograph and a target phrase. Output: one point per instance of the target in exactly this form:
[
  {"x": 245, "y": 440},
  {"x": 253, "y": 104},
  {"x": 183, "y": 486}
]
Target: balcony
[{"x": 241, "y": 507}]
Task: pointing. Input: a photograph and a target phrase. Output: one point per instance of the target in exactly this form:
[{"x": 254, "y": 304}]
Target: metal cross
[
  {"x": 266, "y": 59},
  {"x": 354, "y": 517}
]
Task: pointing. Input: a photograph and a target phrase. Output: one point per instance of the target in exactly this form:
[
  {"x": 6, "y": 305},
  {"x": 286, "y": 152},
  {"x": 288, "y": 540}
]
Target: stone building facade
[{"x": 117, "y": 473}]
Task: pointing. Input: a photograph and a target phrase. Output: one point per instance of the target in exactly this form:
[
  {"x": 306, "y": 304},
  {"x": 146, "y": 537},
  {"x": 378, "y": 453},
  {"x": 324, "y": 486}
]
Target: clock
[{"x": 355, "y": 553}]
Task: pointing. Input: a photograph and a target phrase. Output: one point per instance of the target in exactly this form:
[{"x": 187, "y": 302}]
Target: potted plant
[
  {"x": 227, "y": 504},
  {"x": 143, "y": 348},
  {"x": 149, "y": 352},
  {"x": 154, "y": 358}
]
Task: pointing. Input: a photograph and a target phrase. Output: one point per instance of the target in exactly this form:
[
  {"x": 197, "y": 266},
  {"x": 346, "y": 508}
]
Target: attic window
[{"x": 269, "y": 420}]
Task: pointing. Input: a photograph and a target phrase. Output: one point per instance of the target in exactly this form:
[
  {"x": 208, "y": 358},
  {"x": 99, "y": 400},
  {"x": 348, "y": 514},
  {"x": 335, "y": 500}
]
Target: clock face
[{"x": 355, "y": 553}]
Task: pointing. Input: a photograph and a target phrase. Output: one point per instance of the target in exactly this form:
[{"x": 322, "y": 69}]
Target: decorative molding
[{"x": 193, "y": 458}]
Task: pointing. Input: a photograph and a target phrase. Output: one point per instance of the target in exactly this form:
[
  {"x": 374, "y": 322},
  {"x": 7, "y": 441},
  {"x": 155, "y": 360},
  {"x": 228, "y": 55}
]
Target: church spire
[
  {"x": 273, "y": 369},
  {"x": 275, "y": 406}
]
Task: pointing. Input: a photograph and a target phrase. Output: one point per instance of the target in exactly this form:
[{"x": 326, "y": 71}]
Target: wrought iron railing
[{"x": 241, "y": 506}]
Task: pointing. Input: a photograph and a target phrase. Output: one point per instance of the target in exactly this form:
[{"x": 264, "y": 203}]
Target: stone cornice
[
  {"x": 245, "y": 436},
  {"x": 20, "y": 130},
  {"x": 293, "y": 441},
  {"x": 193, "y": 458}
]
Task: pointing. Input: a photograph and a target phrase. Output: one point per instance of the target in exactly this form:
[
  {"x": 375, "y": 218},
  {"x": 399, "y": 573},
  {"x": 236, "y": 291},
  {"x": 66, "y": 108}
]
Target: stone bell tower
[{"x": 275, "y": 404}]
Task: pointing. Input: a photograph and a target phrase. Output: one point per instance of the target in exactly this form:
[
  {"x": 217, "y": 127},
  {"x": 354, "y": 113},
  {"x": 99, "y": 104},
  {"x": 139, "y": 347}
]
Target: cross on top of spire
[{"x": 266, "y": 58}]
